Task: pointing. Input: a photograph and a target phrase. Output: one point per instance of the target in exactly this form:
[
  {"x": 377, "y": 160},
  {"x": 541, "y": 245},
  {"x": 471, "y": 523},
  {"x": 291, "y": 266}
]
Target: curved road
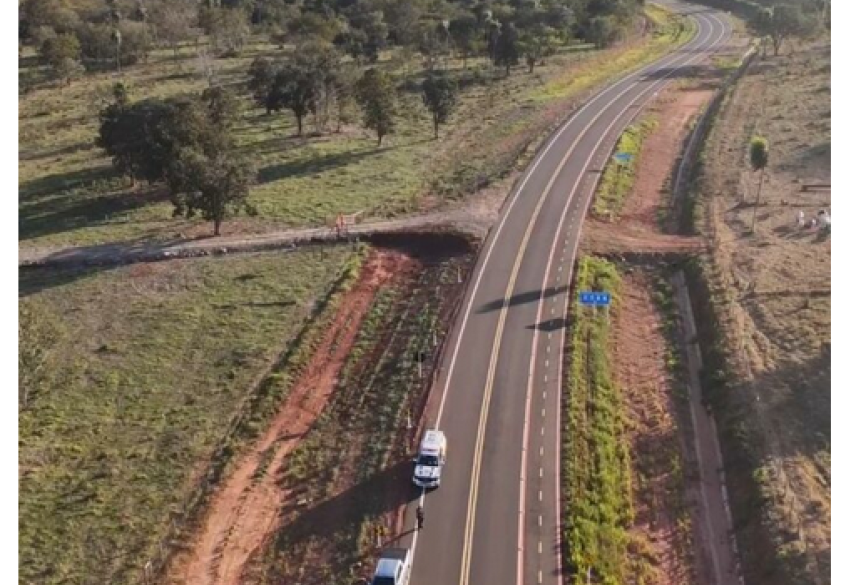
[{"x": 496, "y": 519}]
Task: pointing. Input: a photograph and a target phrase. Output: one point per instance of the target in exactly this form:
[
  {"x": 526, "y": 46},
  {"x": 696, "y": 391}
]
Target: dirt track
[{"x": 245, "y": 511}]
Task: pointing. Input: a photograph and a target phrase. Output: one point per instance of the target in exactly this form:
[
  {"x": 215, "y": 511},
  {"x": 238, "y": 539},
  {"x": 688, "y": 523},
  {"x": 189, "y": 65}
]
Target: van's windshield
[{"x": 428, "y": 460}]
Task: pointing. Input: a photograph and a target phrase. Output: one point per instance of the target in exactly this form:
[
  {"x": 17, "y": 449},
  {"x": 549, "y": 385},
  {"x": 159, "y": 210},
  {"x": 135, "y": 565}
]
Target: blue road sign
[
  {"x": 623, "y": 157},
  {"x": 597, "y": 299}
]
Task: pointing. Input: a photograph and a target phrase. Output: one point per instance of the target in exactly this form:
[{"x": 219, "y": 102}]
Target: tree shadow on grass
[
  {"x": 314, "y": 165},
  {"x": 67, "y": 201}
]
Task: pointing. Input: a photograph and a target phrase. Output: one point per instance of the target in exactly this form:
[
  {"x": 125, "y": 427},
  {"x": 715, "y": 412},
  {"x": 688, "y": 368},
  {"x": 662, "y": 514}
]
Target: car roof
[
  {"x": 387, "y": 567},
  {"x": 433, "y": 438}
]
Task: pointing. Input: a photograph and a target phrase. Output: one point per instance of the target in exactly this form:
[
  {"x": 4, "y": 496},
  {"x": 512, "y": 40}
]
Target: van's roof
[{"x": 433, "y": 438}]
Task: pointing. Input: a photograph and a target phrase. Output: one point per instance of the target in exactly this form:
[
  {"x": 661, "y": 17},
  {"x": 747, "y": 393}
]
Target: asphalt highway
[{"x": 496, "y": 519}]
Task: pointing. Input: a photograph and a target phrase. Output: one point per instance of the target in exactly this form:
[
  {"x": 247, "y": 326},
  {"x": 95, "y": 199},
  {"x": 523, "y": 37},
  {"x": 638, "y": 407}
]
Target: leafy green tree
[
  {"x": 222, "y": 107},
  {"x": 781, "y": 22},
  {"x": 466, "y": 36},
  {"x": 602, "y": 31},
  {"x": 759, "y": 155},
  {"x": 69, "y": 69},
  {"x": 262, "y": 77},
  {"x": 507, "y": 52},
  {"x": 375, "y": 94},
  {"x": 294, "y": 88},
  {"x": 536, "y": 43},
  {"x": 213, "y": 185},
  {"x": 310, "y": 25},
  {"x": 367, "y": 33},
  {"x": 439, "y": 93},
  {"x": 59, "y": 48}
]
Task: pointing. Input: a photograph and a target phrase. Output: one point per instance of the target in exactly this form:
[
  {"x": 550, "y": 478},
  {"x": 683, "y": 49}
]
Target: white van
[{"x": 430, "y": 459}]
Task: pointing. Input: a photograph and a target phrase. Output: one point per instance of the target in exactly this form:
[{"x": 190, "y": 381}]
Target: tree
[
  {"x": 440, "y": 97},
  {"x": 536, "y": 44},
  {"x": 465, "y": 34},
  {"x": 69, "y": 69},
  {"x": 174, "y": 21},
  {"x": 55, "y": 49},
  {"x": 601, "y": 31},
  {"x": 262, "y": 77},
  {"x": 780, "y": 23},
  {"x": 294, "y": 89},
  {"x": 375, "y": 94},
  {"x": 221, "y": 106},
  {"x": 62, "y": 54},
  {"x": 758, "y": 160},
  {"x": 311, "y": 25},
  {"x": 229, "y": 29},
  {"x": 212, "y": 185},
  {"x": 184, "y": 143},
  {"x": 367, "y": 32},
  {"x": 507, "y": 51}
]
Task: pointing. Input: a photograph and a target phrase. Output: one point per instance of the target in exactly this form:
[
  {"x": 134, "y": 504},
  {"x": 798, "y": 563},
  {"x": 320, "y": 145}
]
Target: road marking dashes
[
  {"x": 543, "y": 412},
  {"x": 546, "y": 363},
  {"x": 540, "y": 474},
  {"x": 541, "y": 451},
  {"x": 540, "y": 496},
  {"x": 540, "y": 547}
]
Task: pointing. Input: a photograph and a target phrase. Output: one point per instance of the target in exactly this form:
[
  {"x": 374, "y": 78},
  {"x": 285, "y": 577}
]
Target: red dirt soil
[
  {"x": 640, "y": 358},
  {"x": 244, "y": 511},
  {"x": 638, "y": 229}
]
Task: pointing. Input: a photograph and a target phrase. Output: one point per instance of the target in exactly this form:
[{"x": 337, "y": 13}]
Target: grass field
[
  {"x": 148, "y": 366},
  {"x": 597, "y": 481},
  {"x": 68, "y": 193},
  {"x": 769, "y": 364}
]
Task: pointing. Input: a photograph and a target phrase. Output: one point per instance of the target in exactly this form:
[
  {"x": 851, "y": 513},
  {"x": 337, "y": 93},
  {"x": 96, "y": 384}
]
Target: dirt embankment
[
  {"x": 661, "y": 530},
  {"x": 304, "y": 505},
  {"x": 246, "y": 508}
]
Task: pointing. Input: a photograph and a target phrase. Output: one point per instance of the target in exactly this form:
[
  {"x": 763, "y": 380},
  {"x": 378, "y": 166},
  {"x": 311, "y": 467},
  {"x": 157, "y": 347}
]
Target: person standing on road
[{"x": 419, "y": 515}]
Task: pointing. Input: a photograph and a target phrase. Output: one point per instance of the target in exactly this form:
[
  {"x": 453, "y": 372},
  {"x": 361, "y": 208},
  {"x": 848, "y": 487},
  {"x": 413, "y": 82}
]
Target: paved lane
[{"x": 496, "y": 519}]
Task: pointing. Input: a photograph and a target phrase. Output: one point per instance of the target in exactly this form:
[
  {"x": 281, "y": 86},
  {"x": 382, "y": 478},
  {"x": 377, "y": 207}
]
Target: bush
[{"x": 99, "y": 46}]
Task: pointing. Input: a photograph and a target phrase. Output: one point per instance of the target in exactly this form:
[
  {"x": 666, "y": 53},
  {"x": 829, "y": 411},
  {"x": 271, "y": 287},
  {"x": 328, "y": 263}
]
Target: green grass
[
  {"x": 597, "y": 483},
  {"x": 618, "y": 178},
  {"x": 150, "y": 365},
  {"x": 69, "y": 195}
]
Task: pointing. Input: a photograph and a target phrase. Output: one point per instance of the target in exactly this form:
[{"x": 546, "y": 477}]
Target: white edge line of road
[
  {"x": 553, "y": 252},
  {"x": 510, "y": 203}
]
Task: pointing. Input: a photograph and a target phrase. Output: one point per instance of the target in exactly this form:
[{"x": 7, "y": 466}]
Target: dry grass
[{"x": 773, "y": 292}]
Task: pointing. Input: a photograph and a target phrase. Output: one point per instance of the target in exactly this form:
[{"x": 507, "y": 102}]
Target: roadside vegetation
[
  {"x": 504, "y": 99},
  {"x": 619, "y": 175},
  {"x": 597, "y": 481},
  {"x": 123, "y": 413},
  {"x": 350, "y": 474},
  {"x": 763, "y": 306}
]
